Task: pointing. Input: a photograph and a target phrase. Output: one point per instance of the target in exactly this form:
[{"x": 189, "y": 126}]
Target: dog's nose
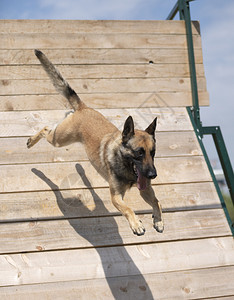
[{"x": 152, "y": 174}]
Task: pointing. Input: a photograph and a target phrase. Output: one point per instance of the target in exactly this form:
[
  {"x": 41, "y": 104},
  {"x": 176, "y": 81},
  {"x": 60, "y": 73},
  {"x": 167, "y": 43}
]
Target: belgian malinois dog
[{"x": 122, "y": 158}]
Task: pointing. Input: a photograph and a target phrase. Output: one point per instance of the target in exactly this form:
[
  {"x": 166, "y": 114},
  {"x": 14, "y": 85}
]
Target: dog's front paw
[
  {"x": 159, "y": 226},
  {"x": 137, "y": 227}
]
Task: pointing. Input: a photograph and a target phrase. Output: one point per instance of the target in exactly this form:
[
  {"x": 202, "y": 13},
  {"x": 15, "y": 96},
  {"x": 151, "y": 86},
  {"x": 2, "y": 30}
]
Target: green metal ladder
[{"x": 182, "y": 6}]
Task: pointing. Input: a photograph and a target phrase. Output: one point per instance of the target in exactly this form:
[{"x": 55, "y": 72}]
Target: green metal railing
[{"x": 182, "y": 6}]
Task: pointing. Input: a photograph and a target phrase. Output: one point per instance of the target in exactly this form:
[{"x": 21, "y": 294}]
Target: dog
[{"x": 122, "y": 158}]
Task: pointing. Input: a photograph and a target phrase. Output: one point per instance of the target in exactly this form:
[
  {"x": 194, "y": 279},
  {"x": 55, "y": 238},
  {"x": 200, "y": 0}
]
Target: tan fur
[{"x": 104, "y": 143}]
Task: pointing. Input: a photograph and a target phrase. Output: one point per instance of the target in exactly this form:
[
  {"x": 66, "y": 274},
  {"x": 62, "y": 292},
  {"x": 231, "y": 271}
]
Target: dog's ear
[
  {"x": 128, "y": 131},
  {"x": 151, "y": 128}
]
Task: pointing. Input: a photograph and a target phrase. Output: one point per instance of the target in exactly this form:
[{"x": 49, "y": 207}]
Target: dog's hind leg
[
  {"x": 44, "y": 133},
  {"x": 62, "y": 135},
  {"x": 56, "y": 137},
  {"x": 149, "y": 196}
]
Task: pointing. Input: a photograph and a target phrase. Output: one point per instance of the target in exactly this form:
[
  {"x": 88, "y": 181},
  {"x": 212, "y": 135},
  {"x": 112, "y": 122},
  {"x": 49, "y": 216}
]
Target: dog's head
[{"x": 139, "y": 149}]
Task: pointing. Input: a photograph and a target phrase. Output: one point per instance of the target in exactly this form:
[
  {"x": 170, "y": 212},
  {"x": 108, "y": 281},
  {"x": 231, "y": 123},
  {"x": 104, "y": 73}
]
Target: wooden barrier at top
[{"x": 110, "y": 64}]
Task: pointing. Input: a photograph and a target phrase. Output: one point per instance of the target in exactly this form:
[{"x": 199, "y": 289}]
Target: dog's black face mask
[{"x": 139, "y": 149}]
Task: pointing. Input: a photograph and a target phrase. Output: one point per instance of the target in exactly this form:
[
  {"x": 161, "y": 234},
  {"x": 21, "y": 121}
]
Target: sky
[{"x": 217, "y": 30}]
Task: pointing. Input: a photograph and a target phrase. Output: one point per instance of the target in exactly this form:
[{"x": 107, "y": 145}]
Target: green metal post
[
  {"x": 184, "y": 10},
  {"x": 182, "y": 6},
  {"x": 211, "y": 170},
  {"x": 173, "y": 12},
  {"x": 223, "y": 156}
]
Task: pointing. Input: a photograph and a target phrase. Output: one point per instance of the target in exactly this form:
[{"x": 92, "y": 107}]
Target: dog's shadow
[{"x": 123, "y": 287}]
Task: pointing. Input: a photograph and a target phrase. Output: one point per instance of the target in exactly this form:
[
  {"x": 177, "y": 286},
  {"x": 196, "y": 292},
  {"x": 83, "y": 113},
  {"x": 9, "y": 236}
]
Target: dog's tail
[{"x": 59, "y": 82}]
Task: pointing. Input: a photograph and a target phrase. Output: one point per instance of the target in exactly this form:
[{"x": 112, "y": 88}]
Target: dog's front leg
[
  {"x": 135, "y": 224},
  {"x": 149, "y": 196}
]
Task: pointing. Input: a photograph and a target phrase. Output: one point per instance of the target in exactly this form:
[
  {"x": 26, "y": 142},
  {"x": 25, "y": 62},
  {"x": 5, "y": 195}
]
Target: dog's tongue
[{"x": 141, "y": 181}]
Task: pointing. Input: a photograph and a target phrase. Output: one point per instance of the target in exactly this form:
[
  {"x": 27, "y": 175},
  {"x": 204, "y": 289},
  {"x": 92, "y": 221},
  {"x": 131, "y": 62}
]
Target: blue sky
[{"x": 217, "y": 29}]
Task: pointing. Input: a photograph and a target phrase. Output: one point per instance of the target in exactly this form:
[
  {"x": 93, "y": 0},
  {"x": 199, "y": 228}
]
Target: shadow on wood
[{"x": 130, "y": 287}]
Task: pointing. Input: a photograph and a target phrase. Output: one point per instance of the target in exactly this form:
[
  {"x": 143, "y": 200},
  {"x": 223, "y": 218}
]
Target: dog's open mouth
[{"x": 141, "y": 180}]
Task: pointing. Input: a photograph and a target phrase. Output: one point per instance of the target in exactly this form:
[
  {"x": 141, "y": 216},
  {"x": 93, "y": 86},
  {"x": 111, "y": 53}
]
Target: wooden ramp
[{"x": 61, "y": 238}]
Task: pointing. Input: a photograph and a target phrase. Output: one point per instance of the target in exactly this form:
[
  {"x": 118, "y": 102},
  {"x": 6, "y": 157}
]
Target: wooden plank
[
  {"x": 106, "y": 100},
  {"x": 191, "y": 284},
  {"x": 109, "y": 231},
  {"x": 224, "y": 298},
  {"x": 13, "y": 150},
  {"x": 29, "y": 206},
  {"x": 94, "y": 26},
  {"x": 109, "y": 262},
  {"x": 119, "y": 85},
  {"x": 230, "y": 297},
  {"x": 31, "y": 177},
  {"x": 94, "y": 40},
  {"x": 101, "y": 71},
  {"x": 27, "y": 123},
  {"x": 100, "y": 56}
]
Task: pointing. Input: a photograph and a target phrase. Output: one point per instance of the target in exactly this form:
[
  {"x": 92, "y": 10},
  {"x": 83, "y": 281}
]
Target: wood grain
[
  {"x": 22, "y": 178},
  {"x": 190, "y": 284},
  {"x": 120, "y": 85},
  {"x": 109, "y": 262},
  {"x": 100, "y": 56},
  {"x": 101, "y": 100},
  {"x": 94, "y": 26},
  {"x": 109, "y": 231},
  {"x": 13, "y": 150},
  {"x": 27, "y": 123},
  {"x": 94, "y": 40},
  {"x": 74, "y": 203},
  {"x": 34, "y": 72}
]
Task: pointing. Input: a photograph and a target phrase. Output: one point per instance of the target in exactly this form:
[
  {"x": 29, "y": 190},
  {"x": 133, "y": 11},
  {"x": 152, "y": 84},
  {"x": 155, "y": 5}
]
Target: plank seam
[
  {"x": 107, "y": 186},
  {"x": 158, "y": 131},
  {"x": 27, "y": 136},
  {"x": 113, "y": 214},
  {"x": 119, "y": 245},
  {"x": 123, "y": 276},
  {"x": 66, "y": 49},
  {"x": 87, "y": 160},
  {"x": 144, "y": 63},
  {"x": 108, "y": 78}
]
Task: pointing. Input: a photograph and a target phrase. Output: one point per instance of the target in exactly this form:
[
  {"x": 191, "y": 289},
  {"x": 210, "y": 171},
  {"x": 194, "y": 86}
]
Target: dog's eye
[{"x": 139, "y": 154}]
